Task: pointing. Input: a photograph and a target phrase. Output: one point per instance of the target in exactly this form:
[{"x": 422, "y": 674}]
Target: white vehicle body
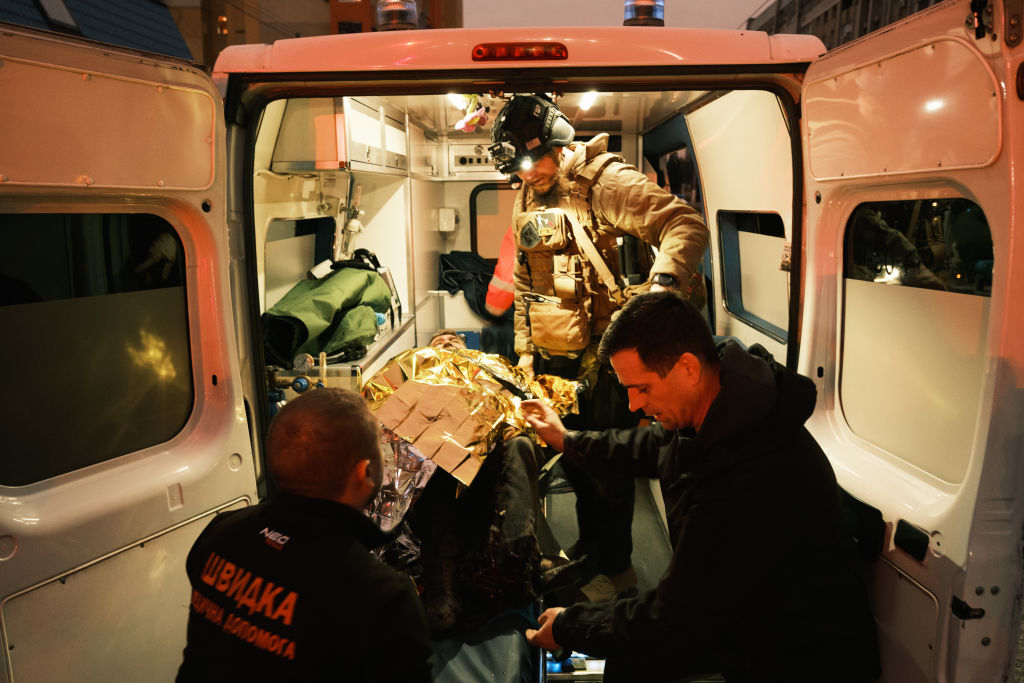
[{"x": 920, "y": 391}]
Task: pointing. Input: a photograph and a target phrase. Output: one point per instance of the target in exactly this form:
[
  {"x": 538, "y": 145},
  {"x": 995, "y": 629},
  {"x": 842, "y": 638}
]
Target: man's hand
[
  {"x": 526, "y": 363},
  {"x": 543, "y": 636},
  {"x": 545, "y": 421}
]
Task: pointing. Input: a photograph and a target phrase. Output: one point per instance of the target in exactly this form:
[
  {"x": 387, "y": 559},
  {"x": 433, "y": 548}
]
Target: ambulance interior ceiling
[
  {"x": 611, "y": 112},
  {"x": 286, "y": 195}
]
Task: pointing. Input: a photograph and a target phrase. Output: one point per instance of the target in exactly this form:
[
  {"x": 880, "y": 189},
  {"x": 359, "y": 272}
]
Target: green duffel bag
[{"x": 325, "y": 315}]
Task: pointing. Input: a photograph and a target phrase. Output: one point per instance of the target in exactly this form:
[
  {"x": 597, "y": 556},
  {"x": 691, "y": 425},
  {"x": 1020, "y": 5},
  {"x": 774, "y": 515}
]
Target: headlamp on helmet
[
  {"x": 504, "y": 156},
  {"x": 526, "y": 129}
]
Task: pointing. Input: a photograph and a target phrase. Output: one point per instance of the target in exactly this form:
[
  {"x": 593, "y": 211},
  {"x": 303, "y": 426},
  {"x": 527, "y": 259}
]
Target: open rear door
[
  {"x": 912, "y": 325},
  {"x": 123, "y": 424},
  {"x": 746, "y": 147}
]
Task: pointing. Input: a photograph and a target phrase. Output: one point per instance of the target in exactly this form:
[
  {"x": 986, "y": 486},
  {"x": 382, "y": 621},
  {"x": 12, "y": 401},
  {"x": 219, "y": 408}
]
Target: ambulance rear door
[
  {"x": 746, "y": 148},
  {"x": 123, "y": 424},
  {"x": 911, "y": 325}
]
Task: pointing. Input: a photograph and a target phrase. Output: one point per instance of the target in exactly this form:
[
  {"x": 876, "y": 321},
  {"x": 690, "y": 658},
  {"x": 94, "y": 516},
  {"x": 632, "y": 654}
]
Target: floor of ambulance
[
  {"x": 651, "y": 555},
  {"x": 500, "y": 653}
]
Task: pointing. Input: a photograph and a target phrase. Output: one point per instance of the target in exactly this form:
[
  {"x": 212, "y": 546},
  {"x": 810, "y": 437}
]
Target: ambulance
[{"x": 862, "y": 204}]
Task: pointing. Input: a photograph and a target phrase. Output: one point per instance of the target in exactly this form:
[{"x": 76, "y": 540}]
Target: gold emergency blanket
[{"x": 455, "y": 405}]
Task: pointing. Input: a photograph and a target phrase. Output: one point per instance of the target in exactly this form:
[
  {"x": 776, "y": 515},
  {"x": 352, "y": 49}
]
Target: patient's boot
[
  {"x": 559, "y": 581},
  {"x": 440, "y": 601}
]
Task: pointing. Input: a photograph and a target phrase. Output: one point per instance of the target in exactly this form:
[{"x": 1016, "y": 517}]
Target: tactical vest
[{"x": 568, "y": 303}]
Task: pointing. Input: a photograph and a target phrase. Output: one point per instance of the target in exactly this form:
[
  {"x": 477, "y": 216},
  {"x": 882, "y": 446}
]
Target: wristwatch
[{"x": 664, "y": 280}]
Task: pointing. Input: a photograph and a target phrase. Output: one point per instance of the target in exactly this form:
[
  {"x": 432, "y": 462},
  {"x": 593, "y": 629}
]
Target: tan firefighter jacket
[{"x": 609, "y": 198}]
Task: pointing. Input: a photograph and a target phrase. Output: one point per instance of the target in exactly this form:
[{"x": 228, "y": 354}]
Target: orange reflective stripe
[{"x": 501, "y": 291}]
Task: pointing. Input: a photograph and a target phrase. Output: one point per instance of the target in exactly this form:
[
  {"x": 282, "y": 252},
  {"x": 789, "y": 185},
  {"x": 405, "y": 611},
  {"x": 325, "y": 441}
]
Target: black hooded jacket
[
  {"x": 287, "y": 590},
  {"x": 762, "y": 584}
]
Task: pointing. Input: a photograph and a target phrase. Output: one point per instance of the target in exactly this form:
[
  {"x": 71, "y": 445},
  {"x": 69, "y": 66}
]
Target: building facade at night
[{"x": 834, "y": 21}]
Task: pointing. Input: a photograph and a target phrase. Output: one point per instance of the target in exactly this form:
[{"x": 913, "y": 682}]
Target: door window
[
  {"x": 918, "y": 276},
  {"x": 490, "y": 215},
  {"x": 94, "y": 314},
  {"x": 755, "y": 270}
]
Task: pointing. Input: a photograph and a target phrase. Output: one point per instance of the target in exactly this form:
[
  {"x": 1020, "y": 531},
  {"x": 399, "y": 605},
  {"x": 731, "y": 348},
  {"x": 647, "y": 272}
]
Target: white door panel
[
  {"x": 128, "y": 427},
  {"x": 743, "y": 149},
  {"x": 925, "y": 109},
  {"x": 905, "y": 613},
  {"x": 67, "y": 114},
  {"x": 919, "y": 366},
  {"x": 81, "y": 621},
  {"x": 899, "y": 362}
]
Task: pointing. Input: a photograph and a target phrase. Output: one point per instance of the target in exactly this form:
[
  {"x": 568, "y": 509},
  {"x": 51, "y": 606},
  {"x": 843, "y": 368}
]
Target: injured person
[{"x": 476, "y": 521}]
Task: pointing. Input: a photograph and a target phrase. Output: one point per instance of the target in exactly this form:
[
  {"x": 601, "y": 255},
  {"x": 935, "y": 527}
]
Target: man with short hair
[
  {"x": 577, "y": 204},
  {"x": 762, "y": 585},
  {"x": 287, "y": 590},
  {"x": 448, "y": 339}
]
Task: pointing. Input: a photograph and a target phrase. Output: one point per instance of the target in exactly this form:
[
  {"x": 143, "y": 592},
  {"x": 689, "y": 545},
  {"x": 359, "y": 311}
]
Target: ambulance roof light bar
[
  {"x": 644, "y": 13},
  {"x": 395, "y": 15}
]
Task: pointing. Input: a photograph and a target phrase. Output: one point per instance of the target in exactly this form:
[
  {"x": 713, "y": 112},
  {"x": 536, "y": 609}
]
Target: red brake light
[{"x": 518, "y": 52}]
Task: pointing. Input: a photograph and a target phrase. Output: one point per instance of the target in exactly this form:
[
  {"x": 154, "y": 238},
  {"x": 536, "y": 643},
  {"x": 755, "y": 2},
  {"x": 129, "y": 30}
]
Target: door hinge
[
  {"x": 1014, "y": 16},
  {"x": 963, "y": 611}
]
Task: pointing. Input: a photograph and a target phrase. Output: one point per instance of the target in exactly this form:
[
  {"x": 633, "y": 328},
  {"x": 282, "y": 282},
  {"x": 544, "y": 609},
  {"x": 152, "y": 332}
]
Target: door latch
[
  {"x": 980, "y": 18},
  {"x": 964, "y": 612}
]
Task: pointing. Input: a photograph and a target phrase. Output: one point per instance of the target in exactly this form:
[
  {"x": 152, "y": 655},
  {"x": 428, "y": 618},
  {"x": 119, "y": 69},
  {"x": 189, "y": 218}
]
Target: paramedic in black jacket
[
  {"x": 761, "y": 586},
  {"x": 287, "y": 590}
]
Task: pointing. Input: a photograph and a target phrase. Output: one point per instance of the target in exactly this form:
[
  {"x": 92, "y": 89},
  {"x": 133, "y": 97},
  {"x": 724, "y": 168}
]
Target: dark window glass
[
  {"x": 933, "y": 244},
  {"x": 95, "y": 324}
]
